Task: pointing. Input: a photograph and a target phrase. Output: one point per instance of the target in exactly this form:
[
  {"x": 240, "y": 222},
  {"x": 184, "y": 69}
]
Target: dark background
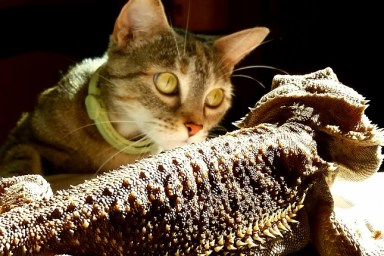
[{"x": 40, "y": 39}]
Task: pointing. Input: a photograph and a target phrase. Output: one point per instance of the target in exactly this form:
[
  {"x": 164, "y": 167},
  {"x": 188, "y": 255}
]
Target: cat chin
[
  {"x": 172, "y": 145},
  {"x": 168, "y": 145}
]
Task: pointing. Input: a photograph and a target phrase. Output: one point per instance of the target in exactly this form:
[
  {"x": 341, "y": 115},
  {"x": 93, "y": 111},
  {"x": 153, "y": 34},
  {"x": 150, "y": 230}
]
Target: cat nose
[{"x": 193, "y": 128}]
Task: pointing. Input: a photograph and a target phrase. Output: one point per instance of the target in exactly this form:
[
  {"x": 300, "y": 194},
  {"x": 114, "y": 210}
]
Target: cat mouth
[
  {"x": 137, "y": 138},
  {"x": 173, "y": 144},
  {"x": 143, "y": 140}
]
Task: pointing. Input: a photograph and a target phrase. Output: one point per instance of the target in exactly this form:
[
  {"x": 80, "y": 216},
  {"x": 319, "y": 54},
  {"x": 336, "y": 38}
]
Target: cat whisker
[
  {"x": 139, "y": 156},
  {"x": 266, "y": 41},
  {"x": 261, "y": 66},
  {"x": 174, "y": 38},
  {"x": 78, "y": 129},
  {"x": 122, "y": 111},
  {"x": 94, "y": 124},
  {"x": 105, "y": 78},
  {"x": 232, "y": 49},
  {"x": 249, "y": 77},
  {"x": 106, "y": 161},
  {"x": 176, "y": 45},
  {"x": 217, "y": 131},
  {"x": 186, "y": 29}
]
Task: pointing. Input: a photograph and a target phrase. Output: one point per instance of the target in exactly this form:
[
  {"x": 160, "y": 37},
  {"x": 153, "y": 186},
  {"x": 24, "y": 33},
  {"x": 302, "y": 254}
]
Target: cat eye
[
  {"x": 166, "y": 82},
  {"x": 214, "y": 98}
]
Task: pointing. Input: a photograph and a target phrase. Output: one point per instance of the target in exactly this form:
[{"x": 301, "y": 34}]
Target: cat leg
[{"x": 21, "y": 159}]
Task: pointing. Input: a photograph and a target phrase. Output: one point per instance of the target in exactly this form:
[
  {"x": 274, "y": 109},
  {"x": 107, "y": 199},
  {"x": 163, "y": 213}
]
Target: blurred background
[{"x": 40, "y": 39}]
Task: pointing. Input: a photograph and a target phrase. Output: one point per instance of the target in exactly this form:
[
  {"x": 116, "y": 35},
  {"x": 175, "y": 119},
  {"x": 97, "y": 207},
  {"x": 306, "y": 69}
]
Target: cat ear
[
  {"x": 234, "y": 47},
  {"x": 139, "y": 18}
]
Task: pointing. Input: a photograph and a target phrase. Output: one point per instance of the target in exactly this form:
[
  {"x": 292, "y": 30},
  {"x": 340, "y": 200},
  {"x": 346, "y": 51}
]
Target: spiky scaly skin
[
  {"x": 209, "y": 197},
  {"x": 263, "y": 189}
]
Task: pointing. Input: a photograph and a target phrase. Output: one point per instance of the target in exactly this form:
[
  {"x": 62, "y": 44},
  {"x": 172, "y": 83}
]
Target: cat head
[{"x": 166, "y": 84}]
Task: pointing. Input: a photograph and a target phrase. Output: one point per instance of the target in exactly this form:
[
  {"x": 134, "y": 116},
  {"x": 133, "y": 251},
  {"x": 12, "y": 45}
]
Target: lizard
[{"x": 262, "y": 189}]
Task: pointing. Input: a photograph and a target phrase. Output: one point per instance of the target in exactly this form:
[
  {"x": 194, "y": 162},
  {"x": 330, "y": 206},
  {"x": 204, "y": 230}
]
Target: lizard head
[{"x": 345, "y": 136}]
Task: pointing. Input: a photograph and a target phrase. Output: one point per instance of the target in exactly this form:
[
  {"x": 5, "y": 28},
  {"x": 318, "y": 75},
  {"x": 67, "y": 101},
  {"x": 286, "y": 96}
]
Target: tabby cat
[{"x": 155, "y": 89}]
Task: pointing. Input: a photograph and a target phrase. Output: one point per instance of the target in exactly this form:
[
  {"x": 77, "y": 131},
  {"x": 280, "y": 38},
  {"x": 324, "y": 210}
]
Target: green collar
[{"x": 97, "y": 112}]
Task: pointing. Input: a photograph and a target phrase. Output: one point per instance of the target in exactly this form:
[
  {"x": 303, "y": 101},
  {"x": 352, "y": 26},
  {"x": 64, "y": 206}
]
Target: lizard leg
[
  {"x": 20, "y": 190},
  {"x": 331, "y": 237}
]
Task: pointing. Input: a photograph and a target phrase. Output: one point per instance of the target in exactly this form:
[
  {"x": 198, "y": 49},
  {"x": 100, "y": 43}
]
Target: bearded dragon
[{"x": 263, "y": 189}]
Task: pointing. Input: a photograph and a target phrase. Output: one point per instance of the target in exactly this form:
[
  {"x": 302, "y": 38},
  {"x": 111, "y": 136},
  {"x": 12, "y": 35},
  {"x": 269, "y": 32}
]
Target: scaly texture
[{"x": 262, "y": 189}]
